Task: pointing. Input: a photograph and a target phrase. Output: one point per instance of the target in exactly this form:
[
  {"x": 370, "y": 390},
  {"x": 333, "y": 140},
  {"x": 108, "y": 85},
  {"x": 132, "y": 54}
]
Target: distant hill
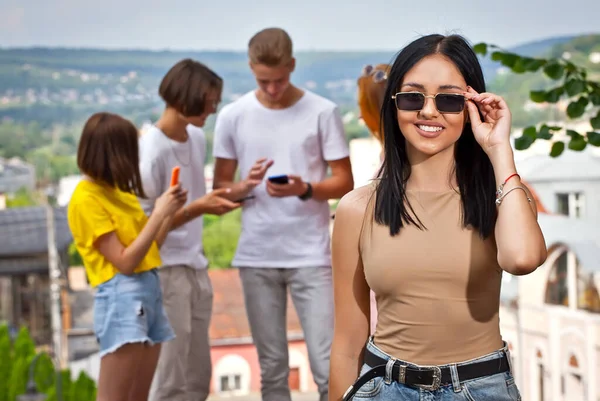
[
  {"x": 47, "y": 93},
  {"x": 63, "y": 84},
  {"x": 538, "y": 48},
  {"x": 318, "y": 66}
]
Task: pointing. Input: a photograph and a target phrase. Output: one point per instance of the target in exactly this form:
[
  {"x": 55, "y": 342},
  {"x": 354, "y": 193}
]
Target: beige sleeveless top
[{"x": 438, "y": 289}]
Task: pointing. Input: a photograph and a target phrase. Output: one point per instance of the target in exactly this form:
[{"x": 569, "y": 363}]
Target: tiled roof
[
  {"x": 229, "y": 321},
  {"x": 24, "y": 233}
]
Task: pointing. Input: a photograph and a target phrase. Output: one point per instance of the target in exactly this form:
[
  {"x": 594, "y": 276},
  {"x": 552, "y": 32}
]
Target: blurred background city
[{"x": 62, "y": 60}]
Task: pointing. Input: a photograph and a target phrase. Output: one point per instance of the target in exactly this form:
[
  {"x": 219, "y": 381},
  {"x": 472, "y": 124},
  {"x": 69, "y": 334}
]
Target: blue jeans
[
  {"x": 497, "y": 387},
  {"x": 129, "y": 309}
]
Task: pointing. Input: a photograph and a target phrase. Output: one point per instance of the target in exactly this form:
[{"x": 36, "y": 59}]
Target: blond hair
[{"x": 271, "y": 47}]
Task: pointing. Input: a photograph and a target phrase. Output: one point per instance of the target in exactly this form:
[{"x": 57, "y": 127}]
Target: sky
[{"x": 312, "y": 24}]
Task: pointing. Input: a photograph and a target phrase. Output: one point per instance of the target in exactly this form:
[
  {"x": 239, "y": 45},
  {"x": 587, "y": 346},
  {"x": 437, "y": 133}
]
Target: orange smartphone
[{"x": 175, "y": 176}]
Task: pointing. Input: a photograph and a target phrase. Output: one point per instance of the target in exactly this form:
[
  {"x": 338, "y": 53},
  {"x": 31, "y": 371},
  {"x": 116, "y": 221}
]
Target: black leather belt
[{"x": 427, "y": 377}]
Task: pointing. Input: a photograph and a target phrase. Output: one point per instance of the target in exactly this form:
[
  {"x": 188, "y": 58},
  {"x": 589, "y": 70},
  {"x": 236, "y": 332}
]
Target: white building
[
  {"x": 16, "y": 174},
  {"x": 551, "y": 318},
  {"x": 66, "y": 187},
  {"x": 365, "y": 157}
]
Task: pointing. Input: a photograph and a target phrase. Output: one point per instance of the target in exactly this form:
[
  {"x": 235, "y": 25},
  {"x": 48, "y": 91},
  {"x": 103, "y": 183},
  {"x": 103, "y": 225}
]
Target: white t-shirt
[
  {"x": 282, "y": 232},
  {"x": 158, "y": 155}
]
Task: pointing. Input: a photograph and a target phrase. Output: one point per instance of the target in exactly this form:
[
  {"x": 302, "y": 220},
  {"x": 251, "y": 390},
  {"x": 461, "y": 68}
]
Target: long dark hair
[{"x": 473, "y": 168}]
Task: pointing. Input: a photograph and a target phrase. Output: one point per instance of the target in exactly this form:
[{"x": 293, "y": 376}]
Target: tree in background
[
  {"x": 573, "y": 84},
  {"x": 21, "y": 198},
  {"x": 16, "y": 358},
  {"x": 220, "y": 238}
]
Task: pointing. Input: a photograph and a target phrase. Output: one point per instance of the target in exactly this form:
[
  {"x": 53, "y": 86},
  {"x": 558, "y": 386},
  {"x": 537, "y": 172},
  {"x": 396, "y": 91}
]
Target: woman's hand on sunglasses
[{"x": 493, "y": 132}]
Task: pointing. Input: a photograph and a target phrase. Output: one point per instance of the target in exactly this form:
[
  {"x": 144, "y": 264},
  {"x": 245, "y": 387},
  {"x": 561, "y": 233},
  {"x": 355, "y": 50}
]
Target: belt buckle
[{"x": 437, "y": 378}]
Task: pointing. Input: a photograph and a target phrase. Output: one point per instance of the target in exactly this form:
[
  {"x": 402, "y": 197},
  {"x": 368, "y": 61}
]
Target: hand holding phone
[
  {"x": 280, "y": 186},
  {"x": 175, "y": 176},
  {"x": 279, "y": 179}
]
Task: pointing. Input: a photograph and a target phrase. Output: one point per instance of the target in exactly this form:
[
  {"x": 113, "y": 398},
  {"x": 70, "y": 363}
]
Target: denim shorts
[
  {"x": 497, "y": 387},
  {"x": 129, "y": 309}
]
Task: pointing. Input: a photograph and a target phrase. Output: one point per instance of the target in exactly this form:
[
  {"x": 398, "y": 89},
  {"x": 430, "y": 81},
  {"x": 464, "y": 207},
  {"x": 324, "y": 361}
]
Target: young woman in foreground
[
  {"x": 432, "y": 238},
  {"x": 119, "y": 248}
]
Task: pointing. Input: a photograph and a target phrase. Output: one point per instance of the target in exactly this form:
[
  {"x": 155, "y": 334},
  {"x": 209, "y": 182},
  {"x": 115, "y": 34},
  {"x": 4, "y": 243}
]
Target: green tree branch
[{"x": 574, "y": 85}]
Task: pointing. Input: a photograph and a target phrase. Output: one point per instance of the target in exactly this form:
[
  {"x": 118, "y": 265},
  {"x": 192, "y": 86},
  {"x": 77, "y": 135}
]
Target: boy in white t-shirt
[
  {"x": 294, "y": 133},
  {"x": 191, "y": 92}
]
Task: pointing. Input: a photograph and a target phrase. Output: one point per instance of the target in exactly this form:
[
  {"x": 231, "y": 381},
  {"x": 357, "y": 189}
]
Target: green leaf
[
  {"x": 537, "y": 96},
  {"x": 480, "y": 48},
  {"x": 593, "y": 138},
  {"x": 575, "y": 109},
  {"x": 570, "y": 67},
  {"x": 557, "y": 149},
  {"x": 544, "y": 133},
  {"x": 575, "y": 87},
  {"x": 532, "y": 64},
  {"x": 497, "y": 56},
  {"x": 573, "y": 134},
  {"x": 595, "y": 98},
  {"x": 523, "y": 142},
  {"x": 530, "y": 132},
  {"x": 577, "y": 144},
  {"x": 595, "y": 122},
  {"x": 509, "y": 60},
  {"x": 553, "y": 95},
  {"x": 554, "y": 70},
  {"x": 519, "y": 66}
]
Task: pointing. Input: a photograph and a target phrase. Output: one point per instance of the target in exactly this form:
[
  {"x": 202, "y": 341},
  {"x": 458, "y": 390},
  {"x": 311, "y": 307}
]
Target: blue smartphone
[{"x": 279, "y": 179}]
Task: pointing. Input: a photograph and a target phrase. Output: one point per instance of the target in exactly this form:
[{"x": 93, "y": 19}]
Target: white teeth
[{"x": 430, "y": 128}]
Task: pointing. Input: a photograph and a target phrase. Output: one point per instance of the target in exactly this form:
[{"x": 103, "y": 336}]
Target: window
[
  {"x": 557, "y": 292},
  {"x": 570, "y": 204},
  {"x": 588, "y": 297},
  {"x": 24, "y": 302},
  {"x": 231, "y": 382},
  {"x": 231, "y": 375},
  {"x": 572, "y": 382}
]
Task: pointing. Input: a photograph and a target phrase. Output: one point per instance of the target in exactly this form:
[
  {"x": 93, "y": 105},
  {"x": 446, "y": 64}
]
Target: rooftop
[
  {"x": 24, "y": 238},
  {"x": 229, "y": 323}
]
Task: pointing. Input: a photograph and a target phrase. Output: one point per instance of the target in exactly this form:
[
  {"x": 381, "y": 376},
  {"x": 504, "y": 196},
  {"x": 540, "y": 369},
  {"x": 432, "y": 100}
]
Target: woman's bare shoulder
[{"x": 355, "y": 203}]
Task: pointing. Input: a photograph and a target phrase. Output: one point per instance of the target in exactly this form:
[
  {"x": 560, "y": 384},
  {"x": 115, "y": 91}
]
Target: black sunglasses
[{"x": 444, "y": 102}]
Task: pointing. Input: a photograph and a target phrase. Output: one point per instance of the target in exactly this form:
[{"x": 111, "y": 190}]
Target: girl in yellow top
[{"x": 119, "y": 248}]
